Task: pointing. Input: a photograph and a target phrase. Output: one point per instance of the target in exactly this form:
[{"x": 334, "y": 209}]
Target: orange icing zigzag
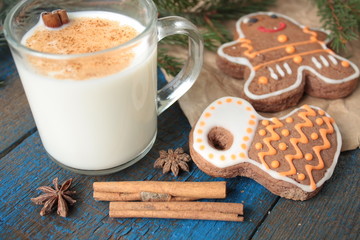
[
  {"x": 274, "y": 137},
  {"x": 302, "y": 139},
  {"x": 318, "y": 149},
  {"x": 312, "y": 33}
]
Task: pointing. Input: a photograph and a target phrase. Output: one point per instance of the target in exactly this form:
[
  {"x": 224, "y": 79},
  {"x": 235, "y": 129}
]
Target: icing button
[
  {"x": 319, "y": 121},
  {"x": 282, "y": 146},
  {"x": 258, "y": 146},
  {"x": 308, "y": 156},
  {"x": 275, "y": 164},
  {"x": 290, "y": 49},
  {"x": 285, "y": 132},
  {"x": 263, "y": 80},
  {"x": 314, "y": 136},
  {"x": 282, "y": 38},
  {"x": 262, "y": 132},
  {"x": 297, "y": 59},
  {"x": 345, "y": 64},
  {"x": 301, "y": 176},
  {"x": 289, "y": 120}
]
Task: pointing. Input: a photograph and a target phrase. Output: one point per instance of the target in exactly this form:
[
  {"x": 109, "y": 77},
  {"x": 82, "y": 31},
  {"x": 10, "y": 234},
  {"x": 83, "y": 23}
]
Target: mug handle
[{"x": 182, "y": 82}]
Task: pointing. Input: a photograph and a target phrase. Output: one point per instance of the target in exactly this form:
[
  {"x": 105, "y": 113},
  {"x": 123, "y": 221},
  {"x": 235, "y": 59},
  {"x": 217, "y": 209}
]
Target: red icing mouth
[{"x": 271, "y": 30}]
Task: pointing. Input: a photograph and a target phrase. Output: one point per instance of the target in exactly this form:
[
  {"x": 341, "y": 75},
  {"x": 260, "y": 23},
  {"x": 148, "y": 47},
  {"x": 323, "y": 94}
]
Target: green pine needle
[
  {"x": 342, "y": 18},
  {"x": 208, "y": 16}
]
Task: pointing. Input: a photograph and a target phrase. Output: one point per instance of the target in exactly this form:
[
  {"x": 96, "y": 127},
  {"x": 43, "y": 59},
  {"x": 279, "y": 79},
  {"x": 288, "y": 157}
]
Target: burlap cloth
[{"x": 209, "y": 86}]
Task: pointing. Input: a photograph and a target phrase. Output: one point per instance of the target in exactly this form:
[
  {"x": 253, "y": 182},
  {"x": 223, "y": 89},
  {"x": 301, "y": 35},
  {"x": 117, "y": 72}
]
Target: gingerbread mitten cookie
[
  {"x": 280, "y": 59},
  {"x": 291, "y": 156}
]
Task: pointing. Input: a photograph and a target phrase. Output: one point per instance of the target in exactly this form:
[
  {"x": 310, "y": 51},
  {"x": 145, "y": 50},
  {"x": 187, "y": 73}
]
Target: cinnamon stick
[
  {"x": 177, "y": 215},
  {"x": 193, "y": 190},
  {"x": 178, "y": 210},
  {"x": 55, "y": 18},
  {"x": 143, "y": 196},
  {"x": 109, "y": 196},
  {"x": 223, "y": 207}
]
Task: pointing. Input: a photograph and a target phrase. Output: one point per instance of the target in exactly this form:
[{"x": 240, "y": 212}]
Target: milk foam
[
  {"x": 87, "y": 32},
  {"x": 103, "y": 121}
]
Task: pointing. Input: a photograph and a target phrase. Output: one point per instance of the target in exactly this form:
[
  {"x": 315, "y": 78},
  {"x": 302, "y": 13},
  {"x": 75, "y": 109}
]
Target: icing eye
[
  {"x": 273, "y": 16},
  {"x": 253, "y": 20},
  {"x": 220, "y": 138}
]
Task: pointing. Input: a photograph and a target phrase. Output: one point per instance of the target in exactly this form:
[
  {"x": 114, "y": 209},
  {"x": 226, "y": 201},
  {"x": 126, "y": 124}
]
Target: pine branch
[
  {"x": 170, "y": 64},
  {"x": 342, "y": 18},
  {"x": 208, "y": 16}
]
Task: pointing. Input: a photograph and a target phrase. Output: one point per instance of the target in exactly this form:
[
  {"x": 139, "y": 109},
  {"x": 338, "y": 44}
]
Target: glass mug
[{"x": 100, "y": 118}]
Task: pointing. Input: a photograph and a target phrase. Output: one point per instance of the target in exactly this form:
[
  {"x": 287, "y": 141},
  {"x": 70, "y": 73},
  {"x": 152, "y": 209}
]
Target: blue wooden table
[{"x": 332, "y": 214}]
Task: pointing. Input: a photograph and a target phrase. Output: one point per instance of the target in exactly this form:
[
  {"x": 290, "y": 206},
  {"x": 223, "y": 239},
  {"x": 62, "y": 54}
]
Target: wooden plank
[
  {"x": 332, "y": 214},
  {"x": 27, "y": 167},
  {"x": 15, "y": 116}
]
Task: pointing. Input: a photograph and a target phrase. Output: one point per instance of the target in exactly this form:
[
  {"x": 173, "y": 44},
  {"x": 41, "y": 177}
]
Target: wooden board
[
  {"x": 24, "y": 166},
  {"x": 332, "y": 214},
  {"x": 16, "y": 121}
]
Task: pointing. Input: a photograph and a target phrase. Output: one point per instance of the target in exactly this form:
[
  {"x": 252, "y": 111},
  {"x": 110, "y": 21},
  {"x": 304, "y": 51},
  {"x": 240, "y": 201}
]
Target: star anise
[
  {"x": 173, "y": 160},
  {"x": 59, "y": 197}
]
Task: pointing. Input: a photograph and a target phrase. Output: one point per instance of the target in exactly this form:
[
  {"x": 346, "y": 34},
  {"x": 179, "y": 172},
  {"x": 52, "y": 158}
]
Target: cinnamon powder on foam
[{"x": 82, "y": 35}]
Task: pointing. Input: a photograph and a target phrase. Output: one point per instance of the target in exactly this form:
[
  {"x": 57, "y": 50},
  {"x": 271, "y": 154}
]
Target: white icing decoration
[
  {"x": 280, "y": 71},
  {"x": 273, "y": 74},
  {"x": 288, "y": 69},
  {"x": 316, "y": 62},
  {"x": 332, "y": 59},
  {"x": 234, "y": 117},
  {"x": 245, "y": 62},
  {"x": 246, "y": 20},
  {"x": 237, "y": 118},
  {"x": 324, "y": 61}
]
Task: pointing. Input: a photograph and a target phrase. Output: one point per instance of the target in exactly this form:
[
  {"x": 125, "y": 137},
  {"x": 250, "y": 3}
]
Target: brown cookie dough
[
  {"x": 291, "y": 156},
  {"x": 280, "y": 60}
]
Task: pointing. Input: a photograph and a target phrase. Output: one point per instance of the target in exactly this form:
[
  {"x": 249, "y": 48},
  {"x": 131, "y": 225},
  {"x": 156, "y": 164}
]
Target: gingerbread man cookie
[
  {"x": 291, "y": 156},
  {"x": 280, "y": 59}
]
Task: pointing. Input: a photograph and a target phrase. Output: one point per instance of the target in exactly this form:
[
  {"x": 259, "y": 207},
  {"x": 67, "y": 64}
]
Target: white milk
[{"x": 98, "y": 123}]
